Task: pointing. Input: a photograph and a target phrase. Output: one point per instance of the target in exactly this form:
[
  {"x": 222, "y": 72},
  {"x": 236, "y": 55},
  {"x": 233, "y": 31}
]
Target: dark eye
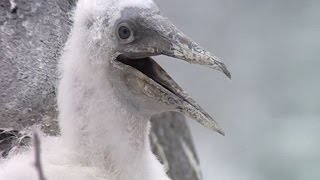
[{"x": 124, "y": 32}]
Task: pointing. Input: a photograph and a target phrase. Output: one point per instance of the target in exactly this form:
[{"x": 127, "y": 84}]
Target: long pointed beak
[
  {"x": 182, "y": 47},
  {"x": 160, "y": 36},
  {"x": 185, "y": 49}
]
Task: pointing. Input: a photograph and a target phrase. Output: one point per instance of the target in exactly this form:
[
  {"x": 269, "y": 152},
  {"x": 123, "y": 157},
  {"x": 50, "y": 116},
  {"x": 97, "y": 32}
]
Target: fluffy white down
[
  {"x": 57, "y": 165},
  {"x": 100, "y": 139},
  {"x": 119, "y": 4},
  {"x": 60, "y": 164}
]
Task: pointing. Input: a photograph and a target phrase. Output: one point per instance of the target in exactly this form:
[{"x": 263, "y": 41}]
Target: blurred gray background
[{"x": 270, "y": 110}]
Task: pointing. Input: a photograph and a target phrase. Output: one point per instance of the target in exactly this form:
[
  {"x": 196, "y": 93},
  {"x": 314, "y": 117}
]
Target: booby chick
[{"x": 109, "y": 88}]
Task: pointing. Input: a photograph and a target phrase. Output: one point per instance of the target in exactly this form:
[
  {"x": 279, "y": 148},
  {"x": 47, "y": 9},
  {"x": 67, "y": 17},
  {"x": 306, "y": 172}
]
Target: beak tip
[
  {"x": 220, "y": 131},
  {"x": 227, "y": 73},
  {"x": 223, "y": 68}
]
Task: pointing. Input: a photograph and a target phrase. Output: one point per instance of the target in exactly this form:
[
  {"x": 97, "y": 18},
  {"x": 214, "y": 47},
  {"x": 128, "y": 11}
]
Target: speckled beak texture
[
  {"x": 161, "y": 37},
  {"x": 184, "y": 48}
]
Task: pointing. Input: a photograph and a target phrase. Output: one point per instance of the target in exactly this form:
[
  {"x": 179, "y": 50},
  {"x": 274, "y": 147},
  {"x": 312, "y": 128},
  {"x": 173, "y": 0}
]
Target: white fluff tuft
[{"x": 112, "y": 5}]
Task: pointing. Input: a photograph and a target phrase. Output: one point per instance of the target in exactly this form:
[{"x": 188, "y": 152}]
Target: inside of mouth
[
  {"x": 143, "y": 65},
  {"x": 151, "y": 69}
]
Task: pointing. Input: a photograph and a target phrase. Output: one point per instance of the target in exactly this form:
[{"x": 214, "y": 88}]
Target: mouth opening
[
  {"x": 143, "y": 65},
  {"x": 150, "y": 68},
  {"x": 154, "y": 71}
]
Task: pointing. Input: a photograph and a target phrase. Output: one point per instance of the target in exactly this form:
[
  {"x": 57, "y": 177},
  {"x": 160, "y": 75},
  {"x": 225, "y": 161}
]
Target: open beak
[{"x": 162, "y": 37}]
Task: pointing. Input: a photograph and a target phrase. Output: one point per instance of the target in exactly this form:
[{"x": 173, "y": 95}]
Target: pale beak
[{"x": 162, "y": 37}]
